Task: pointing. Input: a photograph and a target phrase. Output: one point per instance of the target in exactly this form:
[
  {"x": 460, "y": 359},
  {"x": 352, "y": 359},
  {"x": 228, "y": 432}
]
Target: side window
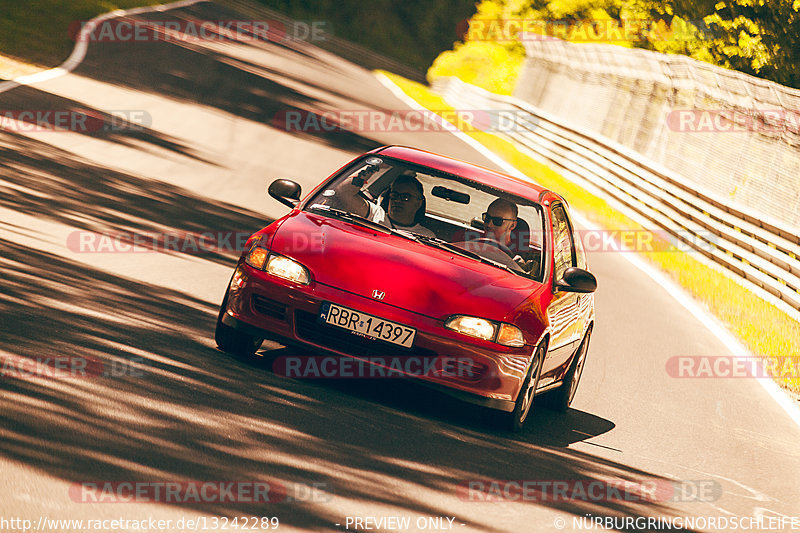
[
  {"x": 580, "y": 253},
  {"x": 563, "y": 248}
]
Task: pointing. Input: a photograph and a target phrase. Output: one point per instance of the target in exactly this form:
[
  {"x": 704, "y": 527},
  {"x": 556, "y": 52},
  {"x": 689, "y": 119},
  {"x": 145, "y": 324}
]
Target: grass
[
  {"x": 38, "y": 31},
  {"x": 768, "y": 332},
  {"x": 412, "y": 33}
]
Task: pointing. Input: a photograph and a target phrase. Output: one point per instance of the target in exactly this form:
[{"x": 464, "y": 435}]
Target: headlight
[
  {"x": 286, "y": 268},
  {"x": 472, "y": 326},
  {"x": 277, "y": 265},
  {"x": 501, "y": 333}
]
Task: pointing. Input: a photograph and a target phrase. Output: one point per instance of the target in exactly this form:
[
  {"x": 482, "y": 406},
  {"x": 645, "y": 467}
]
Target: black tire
[
  {"x": 515, "y": 420},
  {"x": 231, "y": 340},
  {"x": 561, "y": 398}
]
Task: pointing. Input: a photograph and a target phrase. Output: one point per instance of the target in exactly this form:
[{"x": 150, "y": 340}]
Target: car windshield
[{"x": 437, "y": 209}]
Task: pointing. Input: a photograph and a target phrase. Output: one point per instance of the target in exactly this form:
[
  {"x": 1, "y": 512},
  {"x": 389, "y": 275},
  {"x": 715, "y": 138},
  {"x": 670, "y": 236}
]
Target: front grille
[
  {"x": 269, "y": 307},
  {"x": 314, "y": 330}
]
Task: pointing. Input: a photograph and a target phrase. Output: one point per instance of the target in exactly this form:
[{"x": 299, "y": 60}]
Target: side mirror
[
  {"x": 577, "y": 280},
  {"x": 285, "y": 191}
]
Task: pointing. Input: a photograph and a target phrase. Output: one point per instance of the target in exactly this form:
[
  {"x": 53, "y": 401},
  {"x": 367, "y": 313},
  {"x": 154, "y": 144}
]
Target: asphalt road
[{"x": 172, "y": 408}]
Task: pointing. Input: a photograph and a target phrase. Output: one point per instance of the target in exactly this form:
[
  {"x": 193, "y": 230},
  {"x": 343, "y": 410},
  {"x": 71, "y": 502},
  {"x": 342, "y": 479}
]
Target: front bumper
[{"x": 279, "y": 310}]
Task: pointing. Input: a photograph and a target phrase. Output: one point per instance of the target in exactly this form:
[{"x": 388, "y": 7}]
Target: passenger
[{"x": 499, "y": 221}]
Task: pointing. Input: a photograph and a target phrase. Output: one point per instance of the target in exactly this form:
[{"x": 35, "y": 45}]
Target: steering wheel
[{"x": 501, "y": 246}]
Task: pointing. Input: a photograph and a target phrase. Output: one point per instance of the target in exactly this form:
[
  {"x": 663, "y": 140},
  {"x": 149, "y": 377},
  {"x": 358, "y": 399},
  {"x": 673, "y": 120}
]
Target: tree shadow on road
[
  {"x": 185, "y": 411},
  {"x": 38, "y": 110},
  {"x": 210, "y": 74},
  {"x": 49, "y": 183},
  {"x": 164, "y": 405}
]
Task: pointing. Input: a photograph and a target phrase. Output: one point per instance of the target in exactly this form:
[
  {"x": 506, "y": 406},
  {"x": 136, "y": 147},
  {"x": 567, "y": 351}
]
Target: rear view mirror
[
  {"x": 285, "y": 191},
  {"x": 577, "y": 280},
  {"x": 450, "y": 195}
]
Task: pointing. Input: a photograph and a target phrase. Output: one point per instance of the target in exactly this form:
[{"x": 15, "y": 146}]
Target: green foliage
[
  {"x": 486, "y": 64},
  {"x": 412, "y": 32},
  {"x": 37, "y": 31},
  {"x": 759, "y": 37},
  {"x": 487, "y": 58}
]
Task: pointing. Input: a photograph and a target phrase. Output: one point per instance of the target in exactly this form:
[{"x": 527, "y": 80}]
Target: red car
[{"x": 403, "y": 256}]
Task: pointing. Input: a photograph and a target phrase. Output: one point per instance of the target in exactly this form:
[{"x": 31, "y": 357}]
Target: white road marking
[
  {"x": 788, "y": 404},
  {"x": 82, "y": 45},
  {"x": 719, "y": 331}
]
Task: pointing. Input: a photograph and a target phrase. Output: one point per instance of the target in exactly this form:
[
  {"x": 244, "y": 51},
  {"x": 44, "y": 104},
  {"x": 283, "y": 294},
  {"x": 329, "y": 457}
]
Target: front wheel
[
  {"x": 231, "y": 340},
  {"x": 561, "y": 398},
  {"x": 515, "y": 420}
]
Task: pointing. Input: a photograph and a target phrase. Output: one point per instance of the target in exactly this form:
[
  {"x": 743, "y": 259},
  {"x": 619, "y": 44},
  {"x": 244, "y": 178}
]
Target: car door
[
  {"x": 563, "y": 311},
  {"x": 585, "y": 301}
]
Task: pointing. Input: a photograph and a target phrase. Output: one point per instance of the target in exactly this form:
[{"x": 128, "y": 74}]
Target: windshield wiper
[
  {"x": 351, "y": 217},
  {"x": 444, "y": 245},
  {"x": 501, "y": 265},
  {"x": 431, "y": 241},
  {"x": 358, "y": 219}
]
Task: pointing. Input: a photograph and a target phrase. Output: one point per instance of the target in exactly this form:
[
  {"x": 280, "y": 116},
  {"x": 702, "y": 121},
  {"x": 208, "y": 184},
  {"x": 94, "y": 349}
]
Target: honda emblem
[{"x": 378, "y": 295}]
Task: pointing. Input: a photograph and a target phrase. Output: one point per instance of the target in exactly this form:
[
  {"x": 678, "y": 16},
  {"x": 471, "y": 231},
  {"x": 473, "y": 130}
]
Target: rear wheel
[
  {"x": 515, "y": 420},
  {"x": 231, "y": 340},
  {"x": 561, "y": 398}
]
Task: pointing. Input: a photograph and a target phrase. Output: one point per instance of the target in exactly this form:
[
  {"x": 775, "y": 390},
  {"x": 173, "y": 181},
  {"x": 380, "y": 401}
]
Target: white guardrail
[{"x": 761, "y": 253}]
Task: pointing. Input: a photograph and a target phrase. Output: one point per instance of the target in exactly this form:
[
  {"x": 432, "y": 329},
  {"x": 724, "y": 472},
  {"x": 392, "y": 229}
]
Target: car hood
[{"x": 413, "y": 276}]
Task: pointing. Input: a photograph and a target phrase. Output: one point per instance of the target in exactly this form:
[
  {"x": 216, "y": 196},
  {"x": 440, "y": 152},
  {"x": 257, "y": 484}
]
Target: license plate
[{"x": 367, "y": 325}]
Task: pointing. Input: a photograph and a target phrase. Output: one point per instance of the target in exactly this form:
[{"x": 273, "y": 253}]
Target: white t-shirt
[{"x": 378, "y": 214}]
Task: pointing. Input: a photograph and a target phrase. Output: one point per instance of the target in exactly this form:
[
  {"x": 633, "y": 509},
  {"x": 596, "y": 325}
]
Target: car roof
[{"x": 499, "y": 180}]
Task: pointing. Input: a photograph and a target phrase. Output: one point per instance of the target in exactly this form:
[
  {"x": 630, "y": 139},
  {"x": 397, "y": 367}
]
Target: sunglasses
[
  {"x": 402, "y": 196},
  {"x": 497, "y": 221}
]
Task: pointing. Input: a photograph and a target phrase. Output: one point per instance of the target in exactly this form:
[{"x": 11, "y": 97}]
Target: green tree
[
  {"x": 489, "y": 57},
  {"x": 413, "y": 32},
  {"x": 759, "y": 37}
]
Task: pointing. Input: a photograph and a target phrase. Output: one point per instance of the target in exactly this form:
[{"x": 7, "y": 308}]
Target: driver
[
  {"x": 499, "y": 221},
  {"x": 403, "y": 206}
]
